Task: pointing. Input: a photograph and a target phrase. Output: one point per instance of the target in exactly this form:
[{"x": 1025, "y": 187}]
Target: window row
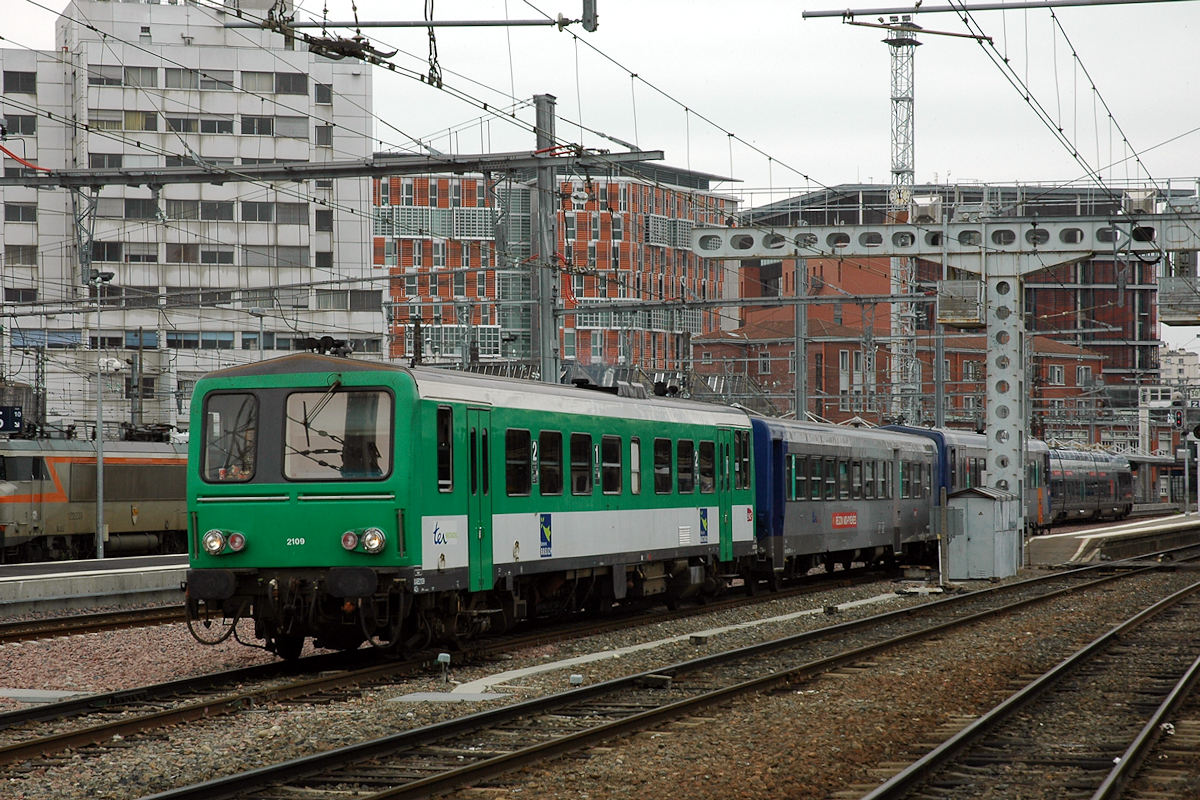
[
  {"x": 208, "y": 79},
  {"x": 292, "y": 127},
  {"x": 812, "y": 477},
  {"x": 192, "y": 253},
  {"x": 577, "y": 462}
]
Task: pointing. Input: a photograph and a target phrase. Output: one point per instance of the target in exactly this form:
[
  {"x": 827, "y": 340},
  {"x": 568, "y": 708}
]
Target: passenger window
[
  {"x": 662, "y": 466},
  {"x": 635, "y": 466},
  {"x": 610, "y": 464},
  {"x": 816, "y": 478},
  {"x": 869, "y": 480},
  {"x": 518, "y": 468},
  {"x": 445, "y": 451},
  {"x": 801, "y": 488},
  {"x": 550, "y": 468},
  {"x": 831, "y": 488},
  {"x": 741, "y": 459},
  {"x": 708, "y": 467},
  {"x": 581, "y": 463},
  {"x": 686, "y": 451},
  {"x": 789, "y": 477},
  {"x": 843, "y": 480},
  {"x": 856, "y": 480}
]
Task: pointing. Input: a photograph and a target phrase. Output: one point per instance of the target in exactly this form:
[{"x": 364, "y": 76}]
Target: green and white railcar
[{"x": 342, "y": 500}]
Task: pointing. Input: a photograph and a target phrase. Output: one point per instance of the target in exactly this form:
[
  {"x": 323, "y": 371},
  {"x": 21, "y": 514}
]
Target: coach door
[
  {"x": 725, "y": 490},
  {"x": 479, "y": 501}
]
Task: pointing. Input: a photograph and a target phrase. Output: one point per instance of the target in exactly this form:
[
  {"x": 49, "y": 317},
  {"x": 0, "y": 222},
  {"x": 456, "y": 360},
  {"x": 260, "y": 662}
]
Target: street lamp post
[{"x": 98, "y": 279}]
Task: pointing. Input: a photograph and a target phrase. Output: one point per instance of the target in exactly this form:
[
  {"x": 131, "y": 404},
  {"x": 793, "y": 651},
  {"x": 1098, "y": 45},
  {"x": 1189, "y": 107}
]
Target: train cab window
[
  {"x": 610, "y": 464},
  {"x": 662, "y": 466},
  {"x": 550, "y": 462},
  {"x": 518, "y": 462},
  {"x": 856, "y": 480},
  {"x": 445, "y": 450},
  {"x": 800, "y": 478},
  {"x": 685, "y": 450},
  {"x": 741, "y": 459},
  {"x": 22, "y": 468},
  {"x": 868, "y": 480},
  {"x": 635, "y": 466},
  {"x": 816, "y": 478},
  {"x": 338, "y": 435},
  {"x": 708, "y": 467},
  {"x": 230, "y": 437},
  {"x": 581, "y": 463}
]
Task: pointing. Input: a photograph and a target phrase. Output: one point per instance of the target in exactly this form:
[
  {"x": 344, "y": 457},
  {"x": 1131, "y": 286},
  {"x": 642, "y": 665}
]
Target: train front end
[{"x": 296, "y": 502}]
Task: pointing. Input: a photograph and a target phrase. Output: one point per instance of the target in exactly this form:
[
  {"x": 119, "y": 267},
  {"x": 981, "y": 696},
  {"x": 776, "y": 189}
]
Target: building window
[
  {"x": 323, "y": 93},
  {"x": 105, "y": 75},
  {"x": 183, "y": 253},
  {"x": 217, "y": 80},
  {"x": 20, "y": 212},
  {"x": 291, "y": 83},
  {"x": 1055, "y": 375},
  {"x": 216, "y": 124},
  {"x": 181, "y": 78},
  {"x": 292, "y": 127},
  {"x": 216, "y": 255},
  {"x": 141, "y": 121},
  {"x": 1083, "y": 376},
  {"x": 183, "y": 209},
  {"x": 141, "y": 76},
  {"x": 291, "y": 213},
  {"x": 323, "y": 135},
  {"x": 22, "y": 125},
  {"x": 216, "y": 209},
  {"x": 20, "y": 295},
  {"x": 258, "y": 212},
  {"x": 182, "y": 124},
  {"x": 258, "y": 81},
  {"x": 20, "y": 82},
  {"x": 764, "y": 363},
  {"x": 258, "y": 126},
  {"x": 140, "y": 208}
]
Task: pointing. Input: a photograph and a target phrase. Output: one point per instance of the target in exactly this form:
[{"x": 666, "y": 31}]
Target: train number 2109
[{"x": 295, "y": 541}]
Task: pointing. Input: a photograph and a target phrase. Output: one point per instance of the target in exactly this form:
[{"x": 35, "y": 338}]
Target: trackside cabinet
[{"x": 983, "y": 536}]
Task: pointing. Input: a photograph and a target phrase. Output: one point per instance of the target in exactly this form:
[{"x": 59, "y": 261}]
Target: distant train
[
  {"x": 48, "y": 498},
  {"x": 350, "y": 501}
]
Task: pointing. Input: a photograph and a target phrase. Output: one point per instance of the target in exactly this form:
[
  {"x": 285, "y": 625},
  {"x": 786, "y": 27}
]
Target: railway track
[
  {"x": 466, "y": 751},
  {"x": 1083, "y": 728},
  {"x": 44, "y": 730},
  {"x": 88, "y": 623}
]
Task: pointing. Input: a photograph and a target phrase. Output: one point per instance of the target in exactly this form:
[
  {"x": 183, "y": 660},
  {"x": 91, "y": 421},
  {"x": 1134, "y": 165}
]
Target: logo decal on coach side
[
  {"x": 845, "y": 519},
  {"x": 703, "y": 525},
  {"x": 544, "y": 526}
]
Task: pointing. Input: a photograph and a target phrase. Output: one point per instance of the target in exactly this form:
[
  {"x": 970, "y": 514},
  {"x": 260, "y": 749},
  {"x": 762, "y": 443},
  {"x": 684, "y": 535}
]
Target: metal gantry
[{"x": 1001, "y": 250}]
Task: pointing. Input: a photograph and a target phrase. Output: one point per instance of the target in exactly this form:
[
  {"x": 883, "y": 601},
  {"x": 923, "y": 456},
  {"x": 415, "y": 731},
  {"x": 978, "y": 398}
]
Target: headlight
[
  {"x": 373, "y": 540},
  {"x": 349, "y": 540},
  {"x": 213, "y": 542},
  {"x": 237, "y": 542}
]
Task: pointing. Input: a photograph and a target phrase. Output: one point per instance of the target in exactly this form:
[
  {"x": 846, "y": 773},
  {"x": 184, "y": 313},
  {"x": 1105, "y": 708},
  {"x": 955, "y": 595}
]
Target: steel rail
[
  {"x": 923, "y": 768},
  {"x": 299, "y": 769},
  {"x": 88, "y": 623}
]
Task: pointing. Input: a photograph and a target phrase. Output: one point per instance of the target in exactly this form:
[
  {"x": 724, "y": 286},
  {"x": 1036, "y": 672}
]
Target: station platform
[
  {"x": 1122, "y": 540},
  {"x": 80, "y": 584}
]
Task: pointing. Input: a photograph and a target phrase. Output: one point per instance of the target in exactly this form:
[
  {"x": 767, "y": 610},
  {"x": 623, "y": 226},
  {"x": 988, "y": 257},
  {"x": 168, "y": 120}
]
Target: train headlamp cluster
[
  {"x": 215, "y": 542},
  {"x": 370, "y": 540}
]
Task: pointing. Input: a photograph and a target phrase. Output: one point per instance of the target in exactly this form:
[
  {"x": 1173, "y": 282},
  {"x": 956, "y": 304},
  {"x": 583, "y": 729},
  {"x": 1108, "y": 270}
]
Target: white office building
[{"x": 204, "y": 275}]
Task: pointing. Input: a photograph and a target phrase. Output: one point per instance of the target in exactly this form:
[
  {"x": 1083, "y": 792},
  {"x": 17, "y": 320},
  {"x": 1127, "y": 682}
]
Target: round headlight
[
  {"x": 373, "y": 540},
  {"x": 349, "y": 540},
  {"x": 213, "y": 542},
  {"x": 237, "y": 542}
]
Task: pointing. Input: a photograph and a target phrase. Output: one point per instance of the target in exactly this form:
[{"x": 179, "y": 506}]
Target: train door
[
  {"x": 479, "y": 501},
  {"x": 725, "y": 491}
]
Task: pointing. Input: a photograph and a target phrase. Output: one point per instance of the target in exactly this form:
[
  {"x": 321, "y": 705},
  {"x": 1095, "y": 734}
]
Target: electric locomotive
[
  {"x": 48, "y": 498},
  {"x": 348, "y": 501}
]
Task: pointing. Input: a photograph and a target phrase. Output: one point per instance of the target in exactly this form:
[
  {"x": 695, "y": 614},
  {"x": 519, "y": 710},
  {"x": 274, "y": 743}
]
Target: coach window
[
  {"x": 685, "y": 451},
  {"x": 635, "y": 465},
  {"x": 869, "y": 480},
  {"x": 581, "y": 463},
  {"x": 518, "y": 464},
  {"x": 550, "y": 462},
  {"x": 830, "y": 478},
  {"x": 800, "y": 487},
  {"x": 905, "y": 479},
  {"x": 856, "y": 480},
  {"x": 789, "y": 477},
  {"x": 843, "y": 479},
  {"x": 816, "y": 477},
  {"x": 662, "y": 466},
  {"x": 445, "y": 460},
  {"x": 708, "y": 467},
  {"x": 610, "y": 464}
]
